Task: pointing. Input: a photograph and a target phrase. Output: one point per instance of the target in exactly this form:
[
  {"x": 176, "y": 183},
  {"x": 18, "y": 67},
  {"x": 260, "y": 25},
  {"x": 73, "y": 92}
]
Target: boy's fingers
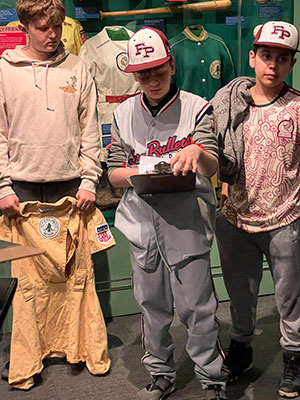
[
  {"x": 194, "y": 166},
  {"x": 178, "y": 167},
  {"x": 84, "y": 205},
  {"x": 173, "y": 160}
]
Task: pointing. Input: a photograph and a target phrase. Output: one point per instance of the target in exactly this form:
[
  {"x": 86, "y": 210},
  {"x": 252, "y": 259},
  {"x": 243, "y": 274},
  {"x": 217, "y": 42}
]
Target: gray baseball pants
[
  {"x": 191, "y": 290},
  {"x": 241, "y": 256}
]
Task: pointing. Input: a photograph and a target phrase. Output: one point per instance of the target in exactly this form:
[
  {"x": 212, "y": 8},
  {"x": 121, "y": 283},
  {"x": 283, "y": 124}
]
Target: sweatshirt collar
[{"x": 17, "y": 55}]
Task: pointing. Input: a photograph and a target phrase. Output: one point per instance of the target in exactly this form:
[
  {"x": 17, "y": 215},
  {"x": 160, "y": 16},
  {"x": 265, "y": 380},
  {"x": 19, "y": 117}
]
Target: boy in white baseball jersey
[
  {"x": 170, "y": 234},
  {"x": 49, "y": 149},
  {"x": 259, "y": 129}
]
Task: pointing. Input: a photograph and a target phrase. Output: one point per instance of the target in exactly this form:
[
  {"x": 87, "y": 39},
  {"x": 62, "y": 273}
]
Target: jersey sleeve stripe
[
  {"x": 204, "y": 110},
  {"x": 115, "y": 121}
]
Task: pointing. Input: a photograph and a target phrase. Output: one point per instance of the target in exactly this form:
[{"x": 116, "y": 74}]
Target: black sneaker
[
  {"x": 215, "y": 392},
  {"x": 238, "y": 360},
  {"x": 158, "y": 389},
  {"x": 290, "y": 382}
]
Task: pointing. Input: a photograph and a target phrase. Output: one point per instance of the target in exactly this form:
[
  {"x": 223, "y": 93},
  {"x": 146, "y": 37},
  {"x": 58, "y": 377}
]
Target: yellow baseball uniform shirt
[{"x": 56, "y": 310}]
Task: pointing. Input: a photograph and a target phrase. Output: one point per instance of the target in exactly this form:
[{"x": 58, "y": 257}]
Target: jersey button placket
[{"x": 152, "y": 134}]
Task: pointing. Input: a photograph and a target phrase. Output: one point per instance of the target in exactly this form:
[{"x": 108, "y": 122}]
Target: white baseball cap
[
  {"x": 277, "y": 34},
  {"x": 147, "y": 48}
]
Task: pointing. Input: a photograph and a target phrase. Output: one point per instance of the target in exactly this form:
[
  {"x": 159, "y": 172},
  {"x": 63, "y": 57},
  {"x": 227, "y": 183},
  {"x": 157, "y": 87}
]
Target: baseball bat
[{"x": 213, "y": 5}]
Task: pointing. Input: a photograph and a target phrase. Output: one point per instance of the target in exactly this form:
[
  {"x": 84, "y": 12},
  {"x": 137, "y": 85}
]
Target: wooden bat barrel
[{"x": 192, "y": 7}]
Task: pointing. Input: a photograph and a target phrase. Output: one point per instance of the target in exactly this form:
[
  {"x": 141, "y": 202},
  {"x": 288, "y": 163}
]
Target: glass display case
[{"x": 210, "y": 41}]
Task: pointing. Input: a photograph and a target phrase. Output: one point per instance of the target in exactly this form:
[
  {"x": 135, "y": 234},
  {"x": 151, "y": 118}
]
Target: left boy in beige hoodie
[
  {"x": 48, "y": 130},
  {"x": 49, "y": 149}
]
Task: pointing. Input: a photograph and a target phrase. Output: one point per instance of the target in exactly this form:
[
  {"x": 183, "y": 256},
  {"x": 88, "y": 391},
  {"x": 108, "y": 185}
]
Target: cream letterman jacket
[{"x": 56, "y": 311}]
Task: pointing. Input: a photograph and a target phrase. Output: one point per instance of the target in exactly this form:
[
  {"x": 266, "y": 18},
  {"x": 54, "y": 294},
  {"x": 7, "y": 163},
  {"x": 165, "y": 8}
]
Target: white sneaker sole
[{"x": 291, "y": 395}]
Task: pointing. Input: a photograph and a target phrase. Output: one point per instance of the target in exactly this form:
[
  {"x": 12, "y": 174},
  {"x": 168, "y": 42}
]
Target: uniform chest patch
[
  {"x": 122, "y": 60},
  {"x": 215, "y": 69},
  {"x": 103, "y": 233},
  {"x": 49, "y": 227}
]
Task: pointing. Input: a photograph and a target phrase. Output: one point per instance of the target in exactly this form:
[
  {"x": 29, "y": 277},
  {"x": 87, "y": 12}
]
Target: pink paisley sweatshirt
[{"x": 48, "y": 129}]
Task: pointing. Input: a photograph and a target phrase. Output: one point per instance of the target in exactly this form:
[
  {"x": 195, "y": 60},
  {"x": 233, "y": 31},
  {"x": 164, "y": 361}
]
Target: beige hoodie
[{"x": 48, "y": 129}]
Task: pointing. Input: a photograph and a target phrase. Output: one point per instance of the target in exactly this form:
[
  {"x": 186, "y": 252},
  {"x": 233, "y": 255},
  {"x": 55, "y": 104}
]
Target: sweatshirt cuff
[
  {"x": 89, "y": 185},
  {"x": 6, "y": 191}
]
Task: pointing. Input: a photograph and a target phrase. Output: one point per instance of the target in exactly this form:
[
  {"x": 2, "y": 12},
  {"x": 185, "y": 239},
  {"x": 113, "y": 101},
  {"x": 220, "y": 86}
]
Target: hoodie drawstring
[
  {"x": 34, "y": 76},
  {"x": 46, "y": 89},
  {"x": 33, "y": 64}
]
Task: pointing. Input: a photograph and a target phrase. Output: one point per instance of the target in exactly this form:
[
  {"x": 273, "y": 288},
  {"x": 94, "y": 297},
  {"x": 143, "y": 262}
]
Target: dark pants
[{"x": 48, "y": 192}]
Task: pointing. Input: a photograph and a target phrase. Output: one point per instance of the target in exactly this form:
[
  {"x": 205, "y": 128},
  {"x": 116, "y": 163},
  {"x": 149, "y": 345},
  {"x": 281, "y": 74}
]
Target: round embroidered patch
[
  {"x": 122, "y": 60},
  {"x": 49, "y": 227},
  {"x": 215, "y": 69}
]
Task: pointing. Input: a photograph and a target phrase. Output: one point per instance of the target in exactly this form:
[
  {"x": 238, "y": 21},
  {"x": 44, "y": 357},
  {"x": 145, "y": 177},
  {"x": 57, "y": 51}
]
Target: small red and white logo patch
[
  {"x": 103, "y": 233},
  {"x": 83, "y": 36},
  {"x": 104, "y": 237}
]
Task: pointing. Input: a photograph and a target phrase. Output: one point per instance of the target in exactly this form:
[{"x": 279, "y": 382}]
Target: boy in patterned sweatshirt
[{"x": 259, "y": 133}]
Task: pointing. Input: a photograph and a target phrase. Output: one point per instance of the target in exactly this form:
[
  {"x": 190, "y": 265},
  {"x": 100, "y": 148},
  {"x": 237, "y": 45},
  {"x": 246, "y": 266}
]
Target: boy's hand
[
  {"x": 84, "y": 199},
  {"x": 9, "y": 205},
  {"x": 186, "y": 159}
]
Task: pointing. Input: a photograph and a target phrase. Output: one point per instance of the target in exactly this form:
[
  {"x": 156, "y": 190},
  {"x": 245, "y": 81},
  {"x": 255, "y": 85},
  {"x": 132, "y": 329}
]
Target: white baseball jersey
[
  {"x": 106, "y": 59},
  {"x": 167, "y": 218},
  {"x": 56, "y": 308}
]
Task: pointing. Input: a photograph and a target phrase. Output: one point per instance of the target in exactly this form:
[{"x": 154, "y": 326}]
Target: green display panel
[{"x": 296, "y": 70}]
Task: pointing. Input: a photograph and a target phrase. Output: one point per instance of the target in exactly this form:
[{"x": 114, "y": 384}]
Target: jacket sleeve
[
  {"x": 5, "y": 179},
  {"x": 90, "y": 144},
  {"x": 231, "y": 104},
  {"x": 204, "y": 133}
]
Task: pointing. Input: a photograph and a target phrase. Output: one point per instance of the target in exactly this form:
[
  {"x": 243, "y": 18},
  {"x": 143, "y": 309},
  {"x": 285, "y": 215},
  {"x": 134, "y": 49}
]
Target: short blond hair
[{"x": 30, "y": 10}]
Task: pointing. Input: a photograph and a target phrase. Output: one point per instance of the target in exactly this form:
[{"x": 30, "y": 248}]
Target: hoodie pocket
[{"x": 46, "y": 160}]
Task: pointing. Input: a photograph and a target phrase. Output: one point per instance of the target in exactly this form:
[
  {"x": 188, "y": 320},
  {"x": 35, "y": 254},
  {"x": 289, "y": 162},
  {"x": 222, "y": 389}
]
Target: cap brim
[
  {"x": 270, "y": 44},
  {"x": 151, "y": 64}
]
